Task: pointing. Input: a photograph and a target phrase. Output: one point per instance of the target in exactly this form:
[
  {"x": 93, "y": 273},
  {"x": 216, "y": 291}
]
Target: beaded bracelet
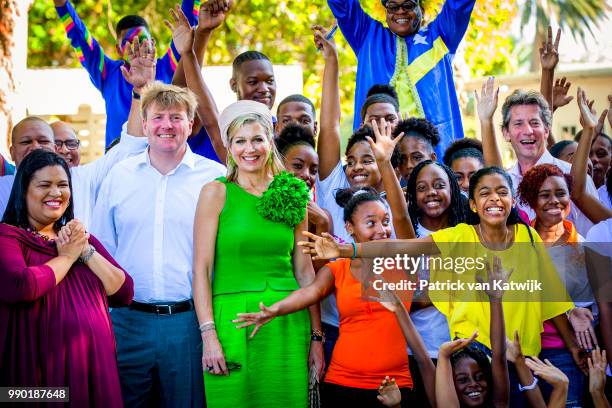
[{"x": 207, "y": 326}]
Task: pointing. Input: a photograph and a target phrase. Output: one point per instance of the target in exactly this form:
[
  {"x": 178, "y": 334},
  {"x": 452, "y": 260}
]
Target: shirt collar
[
  {"x": 189, "y": 160},
  {"x": 546, "y": 157}
]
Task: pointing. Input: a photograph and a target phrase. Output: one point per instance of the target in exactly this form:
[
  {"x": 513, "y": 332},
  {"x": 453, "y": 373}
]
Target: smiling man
[
  {"x": 416, "y": 60},
  {"x": 526, "y": 124},
  {"x": 67, "y": 144},
  {"x": 144, "y": 216}
]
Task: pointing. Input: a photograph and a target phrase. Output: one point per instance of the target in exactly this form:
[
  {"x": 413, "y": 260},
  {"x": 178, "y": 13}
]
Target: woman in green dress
[{"x": 245, "y": 233}]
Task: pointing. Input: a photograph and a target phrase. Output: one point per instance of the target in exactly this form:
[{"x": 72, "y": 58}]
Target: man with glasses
[
  {"x": 416, "y": 60},
  {"x": 66, "y": 143}
]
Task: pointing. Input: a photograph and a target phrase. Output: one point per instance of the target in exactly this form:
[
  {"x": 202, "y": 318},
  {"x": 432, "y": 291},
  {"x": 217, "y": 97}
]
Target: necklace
[
  {"x": 489, "y": 244},
  {"x": 38, "y": 234}
]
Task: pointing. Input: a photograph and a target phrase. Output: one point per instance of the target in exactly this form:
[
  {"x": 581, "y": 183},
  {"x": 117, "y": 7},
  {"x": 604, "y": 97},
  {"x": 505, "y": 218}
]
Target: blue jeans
[
  {"x": 159, "y": 358},
  {"x": 562, "y": 359},
  {"x": 331, "y": 336}
]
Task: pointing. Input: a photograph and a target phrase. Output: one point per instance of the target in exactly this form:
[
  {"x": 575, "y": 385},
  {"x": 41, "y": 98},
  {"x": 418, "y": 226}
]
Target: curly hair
[
  {"x": 418, "y": 127},
  {"x": 457, "y": 209},
  {"x": 292, "y": 135},
  {"x": 465, "y": 147},
  {"x": 536, "y": 176},
  {"x": 481, "y": 359}
]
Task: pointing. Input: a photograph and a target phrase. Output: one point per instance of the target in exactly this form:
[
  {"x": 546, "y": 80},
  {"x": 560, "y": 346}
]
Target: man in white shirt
[
  {"x": 144, "y": 217},
  {"x": 67, "y": 144},
  {"x": 526, "y": 124},
  {"x": 34, "y": 133}
]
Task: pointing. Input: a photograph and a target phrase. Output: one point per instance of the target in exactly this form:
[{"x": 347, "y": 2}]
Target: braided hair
[{"x": 457, "y": 209}]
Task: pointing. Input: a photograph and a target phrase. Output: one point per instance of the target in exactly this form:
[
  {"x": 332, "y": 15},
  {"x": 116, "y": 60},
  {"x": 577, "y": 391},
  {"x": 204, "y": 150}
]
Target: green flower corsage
[{"x": 285, "y": 200}]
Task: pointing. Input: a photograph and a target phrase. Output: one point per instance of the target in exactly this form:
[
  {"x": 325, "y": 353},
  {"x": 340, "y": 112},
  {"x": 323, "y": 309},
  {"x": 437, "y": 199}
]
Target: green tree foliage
[{"x": 278, "y": 28}]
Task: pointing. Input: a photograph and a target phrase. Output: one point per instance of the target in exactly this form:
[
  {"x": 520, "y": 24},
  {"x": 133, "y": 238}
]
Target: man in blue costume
[
  {"x": 104, "y": 72},
  {"x": 415, "y": 60}
]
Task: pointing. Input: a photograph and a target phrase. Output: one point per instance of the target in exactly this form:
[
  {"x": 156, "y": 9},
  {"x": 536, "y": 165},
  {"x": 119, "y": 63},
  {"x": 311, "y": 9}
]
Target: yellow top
[{"x": 538, "y": 294}]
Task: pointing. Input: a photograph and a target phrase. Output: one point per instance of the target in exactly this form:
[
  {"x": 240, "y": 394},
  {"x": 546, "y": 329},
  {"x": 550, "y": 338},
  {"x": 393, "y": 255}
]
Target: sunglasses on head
[{"x": 394, "y": 7}]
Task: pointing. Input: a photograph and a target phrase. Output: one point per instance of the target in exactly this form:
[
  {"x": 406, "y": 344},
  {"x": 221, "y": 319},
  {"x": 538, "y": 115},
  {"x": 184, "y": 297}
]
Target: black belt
[{"x": 163, "y": 308}]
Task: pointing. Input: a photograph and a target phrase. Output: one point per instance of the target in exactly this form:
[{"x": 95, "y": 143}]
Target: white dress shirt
[
  {"x": 86, "y": 179},
  {"x": 145, "y": 220},
  {"x": 581, "y": 221}
]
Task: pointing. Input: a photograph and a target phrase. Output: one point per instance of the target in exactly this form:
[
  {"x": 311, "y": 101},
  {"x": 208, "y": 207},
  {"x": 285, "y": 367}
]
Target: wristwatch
[
  {"x": 88, "y": 255},
  {"x": 135, "y": 95}
]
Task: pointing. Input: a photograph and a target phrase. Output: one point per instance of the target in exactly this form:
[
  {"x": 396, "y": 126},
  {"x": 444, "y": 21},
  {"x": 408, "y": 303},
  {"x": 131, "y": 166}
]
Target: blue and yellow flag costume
[{"x": 419, "y": 65}]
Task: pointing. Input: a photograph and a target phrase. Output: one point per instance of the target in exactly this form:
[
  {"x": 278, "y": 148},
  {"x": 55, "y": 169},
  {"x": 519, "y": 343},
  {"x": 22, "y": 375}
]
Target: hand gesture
[
  {"x": 447, "y": 349},
  {"x": 549, "y": 52},
  {"x": 514, "y": 353},
  {"x": 588, "y": 116},
  {"x": 258, "y": 319},
  {"x": 597, "y": 371},
  {"x": 209, "y": 20},
  {"x": 496, "y": 273},
  {"x": 323, "y": 247},
  {"x": 71, "y": 241},
  {"x": 486, "y": 102},
  {"x": 328, "y": 47},
  {"x": 388, "y": 393},
  {"x": 218, "y": 6},
  {"x": 182, "y": 33},
  {"x": 581, "y": 319},
  {"x": 142, "y": 64},
  {"x": 560, "y": 91},
  {"x": 384, "y": 146},
  {"x": 388, "y": 298},
  {"x": 76, "y": 228},
  {"x": 547, "y": 371},
  {"x": 213, "y": 359}
]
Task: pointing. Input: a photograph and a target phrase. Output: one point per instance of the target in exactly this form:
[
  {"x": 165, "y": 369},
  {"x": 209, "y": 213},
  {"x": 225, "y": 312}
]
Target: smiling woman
[{"x": 56, "y": 283}]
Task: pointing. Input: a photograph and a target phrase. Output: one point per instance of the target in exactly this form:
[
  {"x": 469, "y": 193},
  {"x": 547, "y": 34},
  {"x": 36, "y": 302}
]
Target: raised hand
[
  {"x": 588, "y": 116},
  {"x": 514, "y": 352},
  {"x": 560, "y": 91},
  {"x": 549, "y": 52},
  {"x": 142, "y": 60},
  {"x": 182, "y": 32},
  {"x": 547, "y": 371},
  {"x": 71, "y": 241},
  {"x": 447, "y": 349},
  {"x": 486, "y": 102},
  {"x": 209, "y": 20},
  {"x": 323, "y": 247},
  {"x": 495, "y": 273},
  {"x": 218, "y": 6},
  {"x": 597, "y": 371},
  {"x": 328, "y": 47},
  {"x": 384, "y": 146},
  {"x": 258, "y": 319},
  {"x": 388, "y": 393},
  {"x": 581, "y": 319}
]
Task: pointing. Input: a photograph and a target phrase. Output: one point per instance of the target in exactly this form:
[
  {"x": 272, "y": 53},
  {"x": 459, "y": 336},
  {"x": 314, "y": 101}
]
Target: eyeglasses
[
  {"x": 394, "y": 8},
  {"x": 71, "y": 144}
]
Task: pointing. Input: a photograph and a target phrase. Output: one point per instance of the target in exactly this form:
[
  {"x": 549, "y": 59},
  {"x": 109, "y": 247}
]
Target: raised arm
[
  {"x": 352, "y": 20},
  {"x": 499, "y": 364},
  {"x": 453, "y": 21},
  {"x": 549, "y": 58},
  {"x": 207, "y": 109},
  {"x": 587, "y": 203},
  {"x": 88, "y": 50},
  {"x": 391, "y": 301},
  {"x": 446, "y": 395},
  {"x": 383, "y": 150},
  {"x": 328, "y": 143},
  {"x": 526, "y": 379},
  {"x": 552, "y": 375},
  {"x": 205, "y": 227},
  {"x": 487, "y": 104}
]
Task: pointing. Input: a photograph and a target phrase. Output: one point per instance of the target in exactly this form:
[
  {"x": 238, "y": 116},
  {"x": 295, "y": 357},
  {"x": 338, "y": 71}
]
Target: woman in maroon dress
[{"x": 56, "y": 283}]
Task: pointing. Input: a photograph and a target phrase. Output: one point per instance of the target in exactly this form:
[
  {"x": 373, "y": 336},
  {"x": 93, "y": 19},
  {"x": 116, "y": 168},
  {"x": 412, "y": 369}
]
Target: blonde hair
[
  {"x": 167, "y": 96},
  {"x": 274, "y": 163}
]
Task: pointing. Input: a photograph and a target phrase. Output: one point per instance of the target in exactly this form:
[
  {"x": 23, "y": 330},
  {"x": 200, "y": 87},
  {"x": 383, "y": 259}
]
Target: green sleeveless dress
[{"x": 253, "y": 263}]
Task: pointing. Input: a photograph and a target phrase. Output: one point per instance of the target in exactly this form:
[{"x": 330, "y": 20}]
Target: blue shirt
[
  {"x": 419, "y": 65},
  {"x": 105, "y": 73}
]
